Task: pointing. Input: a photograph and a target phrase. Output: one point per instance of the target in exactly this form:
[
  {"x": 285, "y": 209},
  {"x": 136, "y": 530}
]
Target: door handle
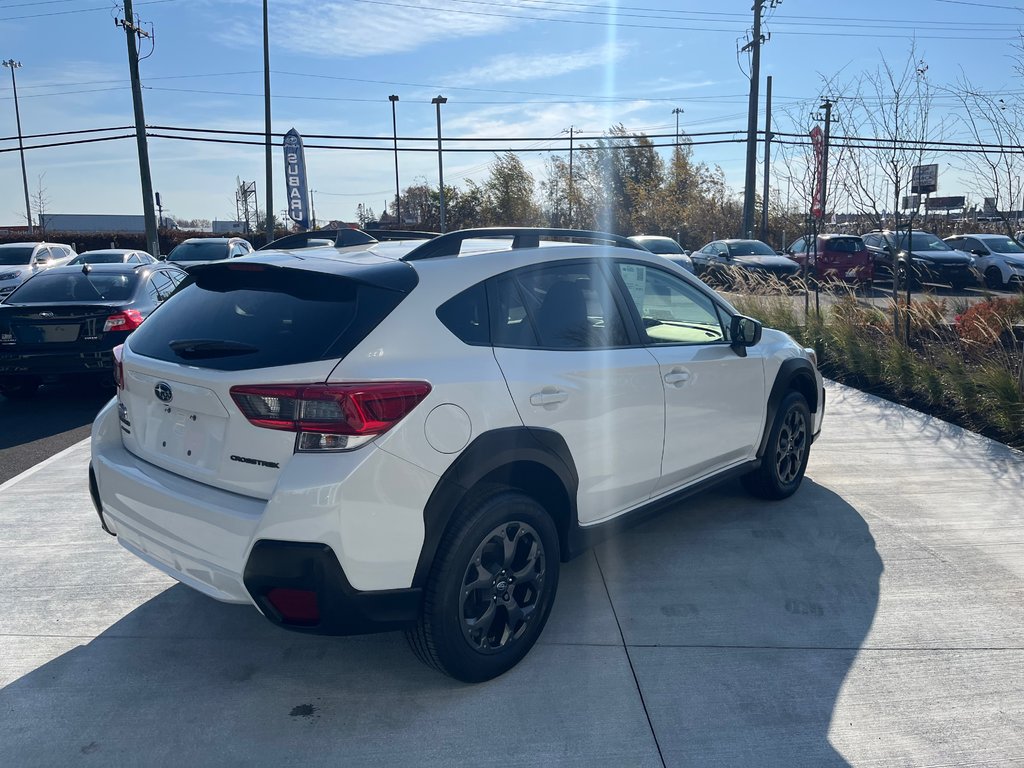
[
  {"x": 548, "y": 397},
  {"x": 677, "y": 378}
]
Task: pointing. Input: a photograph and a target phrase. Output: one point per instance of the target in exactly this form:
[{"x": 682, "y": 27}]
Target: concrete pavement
[{"x": 874, "y": 619}]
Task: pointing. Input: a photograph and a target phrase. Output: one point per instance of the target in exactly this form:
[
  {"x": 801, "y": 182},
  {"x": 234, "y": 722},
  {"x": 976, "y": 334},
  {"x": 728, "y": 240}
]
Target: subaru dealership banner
[{"x": 295, "y": 179}]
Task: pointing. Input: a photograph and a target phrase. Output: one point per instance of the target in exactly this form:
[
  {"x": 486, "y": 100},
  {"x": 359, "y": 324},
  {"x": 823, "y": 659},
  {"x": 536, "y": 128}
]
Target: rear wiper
[{"x": 194, "y": 349}]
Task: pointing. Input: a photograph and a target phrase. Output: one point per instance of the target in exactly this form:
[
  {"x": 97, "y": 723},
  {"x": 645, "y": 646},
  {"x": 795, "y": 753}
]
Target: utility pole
[
  {"x": 394, "y": 128},
  {"x": 437, "y": 101},
  {"x": 13, "y": 65},
  {"x": 312, "y": 209},
  {"x": 160, "y": 211},
  {"x": 767, "y": 158},
  {"x": 134, "y": 33},
  {"x": 827, "y": 106},
  {"x": 570, "y": 176},
  {"x": 677, "y": 112},
  {"x": 266, "y": 114},
  {"x": 754, "y": 46}
]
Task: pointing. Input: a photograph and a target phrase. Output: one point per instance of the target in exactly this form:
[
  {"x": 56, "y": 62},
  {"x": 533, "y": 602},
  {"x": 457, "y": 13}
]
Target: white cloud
[
  {"x": 347, "y": 29},
  {"x": 518, "y": 67}
]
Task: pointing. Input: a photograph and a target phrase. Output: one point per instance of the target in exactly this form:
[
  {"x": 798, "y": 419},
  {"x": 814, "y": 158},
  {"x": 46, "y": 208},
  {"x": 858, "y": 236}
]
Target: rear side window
[
  {"x": 239, "y": 319},
  {"x": 466, "y": 316}
]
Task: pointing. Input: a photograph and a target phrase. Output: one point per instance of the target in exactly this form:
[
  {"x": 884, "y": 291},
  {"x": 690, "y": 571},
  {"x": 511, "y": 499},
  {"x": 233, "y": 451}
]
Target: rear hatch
[
  {"x": 274, "y": 320},
  {"x": 55, "y": 329}
]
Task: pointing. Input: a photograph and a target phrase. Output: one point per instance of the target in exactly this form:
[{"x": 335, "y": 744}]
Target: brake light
[
  {"x": 127, "y": 320},
  {"x": 118, "y": 367},
  {"x": 330, "y": 417}
]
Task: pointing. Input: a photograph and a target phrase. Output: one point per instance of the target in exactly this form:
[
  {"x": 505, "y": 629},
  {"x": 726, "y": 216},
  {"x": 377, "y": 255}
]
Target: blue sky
[{"x": 516, "y": 69}]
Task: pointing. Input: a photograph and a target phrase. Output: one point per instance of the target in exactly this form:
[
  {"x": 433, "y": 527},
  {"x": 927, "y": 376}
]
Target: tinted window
[
  {"x": 845, "y": 244},
  {"x": 465, "y": 315},
  {"x": 511, "y": 325},
  {"x": 672, "y": 310},
  {"x": 569, "y": 306},
  {"x": 233, "y": 319},
  {"x": 74, "y": 286},
  {"x": 798, "y": 246},
  {"x": 750, "y": 248},
  {"x": 662, "y": 245},
  {"x": 199, "y": 252},
  {"x": 98, "y": 257}
]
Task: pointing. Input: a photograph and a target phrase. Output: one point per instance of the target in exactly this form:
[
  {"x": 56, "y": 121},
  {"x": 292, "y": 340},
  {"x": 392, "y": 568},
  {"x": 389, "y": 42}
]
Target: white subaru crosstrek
[{"x": 356, "y": 442}]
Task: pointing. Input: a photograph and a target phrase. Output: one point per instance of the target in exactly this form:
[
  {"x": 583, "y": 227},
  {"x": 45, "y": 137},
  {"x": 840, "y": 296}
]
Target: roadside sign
[{"x": 924, "y": 179}]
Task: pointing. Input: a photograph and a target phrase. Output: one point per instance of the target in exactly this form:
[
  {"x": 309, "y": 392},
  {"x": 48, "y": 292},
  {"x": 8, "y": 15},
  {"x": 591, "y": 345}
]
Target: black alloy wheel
[
  {"x": 502, "y": 587},
  {"x": 785, "y": 458},
  {"x": 491, "y": 587},
  {"x": 994, "y": 279}
]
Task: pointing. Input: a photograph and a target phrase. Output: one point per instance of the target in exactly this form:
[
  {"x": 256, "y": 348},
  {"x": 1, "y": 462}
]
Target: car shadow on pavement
[{"x": 742, "y": 619}]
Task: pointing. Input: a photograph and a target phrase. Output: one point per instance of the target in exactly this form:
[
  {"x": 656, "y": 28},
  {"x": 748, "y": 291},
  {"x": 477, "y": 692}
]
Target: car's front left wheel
[
  {"x": 785, "y": 458},
  {"x": 491, "y": 588}
]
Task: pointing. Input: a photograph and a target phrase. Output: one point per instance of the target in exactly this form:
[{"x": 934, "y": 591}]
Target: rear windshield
[
  {"x": 234, "y": 319},
  {"x": 98, "y": 257},
  {"x": 74, "y": 286},
  {"x": 199, "y": 252},
  {"x": 845, "y": 244},
  {"x": 15, "y": 255},
  {"x": 662, "y": 245}
]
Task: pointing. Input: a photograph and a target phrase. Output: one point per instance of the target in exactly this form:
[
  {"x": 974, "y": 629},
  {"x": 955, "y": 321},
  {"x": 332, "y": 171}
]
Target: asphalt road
[{"x": 35, "y": 429}]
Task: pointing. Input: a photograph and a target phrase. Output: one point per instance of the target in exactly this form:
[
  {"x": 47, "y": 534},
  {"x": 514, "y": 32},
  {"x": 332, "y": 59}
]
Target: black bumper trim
[
  {"x": 343, "y": 609},
  {"x": 94, "y": 494}
]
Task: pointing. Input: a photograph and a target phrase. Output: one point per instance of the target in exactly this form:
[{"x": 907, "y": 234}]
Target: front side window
[
  {"x": 798, "y": 246},
  {"x": 566, "y": 306},
  {"x": 672, "y": 310}
]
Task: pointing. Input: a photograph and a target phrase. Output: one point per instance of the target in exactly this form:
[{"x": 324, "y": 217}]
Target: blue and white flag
[{"x": 295, "y": 179}]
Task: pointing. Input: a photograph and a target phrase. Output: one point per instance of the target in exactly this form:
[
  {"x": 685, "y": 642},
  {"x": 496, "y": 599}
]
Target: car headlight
[
  {"x": 809, "y": 351},
  {"x": 9, "y": 275}
]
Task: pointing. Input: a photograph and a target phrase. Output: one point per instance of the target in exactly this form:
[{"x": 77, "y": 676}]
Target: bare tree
[{"x": 39, "y": 202}]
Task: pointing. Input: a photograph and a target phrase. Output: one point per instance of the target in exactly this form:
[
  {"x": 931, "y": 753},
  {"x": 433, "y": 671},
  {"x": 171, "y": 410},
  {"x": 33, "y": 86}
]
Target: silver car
[
  {"x": 998, "y": 258},
  {"x": 19, "y": 261}
]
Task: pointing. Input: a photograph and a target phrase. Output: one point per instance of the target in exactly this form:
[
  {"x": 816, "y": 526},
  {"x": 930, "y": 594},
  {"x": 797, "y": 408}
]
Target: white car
[
  {"x": 201, "y": 250},
  {"x": 998, "y": 258},
  {"x": 360, "y": 442},
  {"x": 19, "y": 261},
  {"x": 113, "y": 256}
]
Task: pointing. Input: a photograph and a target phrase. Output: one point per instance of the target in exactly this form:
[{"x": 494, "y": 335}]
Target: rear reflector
[
  {"x": 128, "y": 320},
  {"x": 296, "y": 606},
  {"x": 330, "y": 417}
]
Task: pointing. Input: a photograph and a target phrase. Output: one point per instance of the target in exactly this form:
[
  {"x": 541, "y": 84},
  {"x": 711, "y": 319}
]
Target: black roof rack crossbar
[
  {"x": 522, "y": 237},
  {"x": 400, "y": 234}
]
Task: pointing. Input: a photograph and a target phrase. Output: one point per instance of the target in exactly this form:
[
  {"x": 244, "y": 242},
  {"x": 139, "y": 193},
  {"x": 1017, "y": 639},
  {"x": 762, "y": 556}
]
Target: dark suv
[{"x": 930, "y": 259}]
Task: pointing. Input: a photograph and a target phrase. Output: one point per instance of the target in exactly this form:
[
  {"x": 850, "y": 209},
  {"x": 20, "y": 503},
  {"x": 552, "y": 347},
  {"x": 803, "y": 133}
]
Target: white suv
[
  {"x": 20, "y": 261},
  {"x": 356, "y": 442}
]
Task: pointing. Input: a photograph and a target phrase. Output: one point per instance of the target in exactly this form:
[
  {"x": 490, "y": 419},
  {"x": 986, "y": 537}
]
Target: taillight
[
  {"x": 118, "y": 367},
  {"x": 330, "y": 417},
  {"x": 127, "y": 320}
]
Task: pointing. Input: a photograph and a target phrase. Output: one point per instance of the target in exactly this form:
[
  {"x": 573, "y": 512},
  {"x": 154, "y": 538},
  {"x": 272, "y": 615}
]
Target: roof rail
[
  {"x": 400, "y": 234},
  {"x": 522, "y": 237}
]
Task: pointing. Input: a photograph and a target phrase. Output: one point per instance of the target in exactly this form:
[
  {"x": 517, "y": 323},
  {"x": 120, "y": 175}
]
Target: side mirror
[
  {"x": 44, "y": 262},
  {"x": 686, "y": 251},
  {"x": 161, "y": 257},
  {"x": 978, "y": 252},
  {"x": 744, "y": 332}
]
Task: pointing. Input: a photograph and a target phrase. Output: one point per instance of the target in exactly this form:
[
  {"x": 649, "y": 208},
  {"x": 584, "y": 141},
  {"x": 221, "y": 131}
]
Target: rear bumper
[
  {"x": 44, "y": 364},
  {"x": 357, "y": 553}
]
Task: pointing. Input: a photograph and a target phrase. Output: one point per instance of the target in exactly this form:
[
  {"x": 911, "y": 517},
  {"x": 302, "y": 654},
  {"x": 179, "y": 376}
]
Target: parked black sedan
[
  {"x": 717, "y": 260},
  {"x": 64, "y": 322}
]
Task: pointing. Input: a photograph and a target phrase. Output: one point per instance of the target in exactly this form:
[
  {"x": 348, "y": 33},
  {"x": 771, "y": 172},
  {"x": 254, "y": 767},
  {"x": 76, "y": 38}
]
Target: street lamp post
[
  {"x": 266, "y": 119},
  {"x": 13, "y": 65},
  {"x": 437, "y": 101},
  {"x": 394, "y": 132}
]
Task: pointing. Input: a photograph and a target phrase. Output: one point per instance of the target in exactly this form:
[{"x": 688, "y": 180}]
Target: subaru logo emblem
[
  {"x": 163, "y": 392},
  {"x": 46, "y": 314}
]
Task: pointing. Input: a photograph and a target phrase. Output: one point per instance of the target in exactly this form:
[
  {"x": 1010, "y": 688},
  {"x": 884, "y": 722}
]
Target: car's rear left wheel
[{"x": 490, "y": 591}]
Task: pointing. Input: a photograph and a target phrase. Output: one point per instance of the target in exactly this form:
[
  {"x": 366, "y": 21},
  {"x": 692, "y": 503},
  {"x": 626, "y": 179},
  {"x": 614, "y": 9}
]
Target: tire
[
  {"x": 491, "y": 588},
  {"x": 785, "y": 458},
  {"x": 19, "y": 389},
  {"x": 994, "y": 279}
]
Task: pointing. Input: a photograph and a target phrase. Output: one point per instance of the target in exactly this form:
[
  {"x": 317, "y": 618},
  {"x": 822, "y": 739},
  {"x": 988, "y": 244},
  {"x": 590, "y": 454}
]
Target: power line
[{"x": 77, "y": 10}]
